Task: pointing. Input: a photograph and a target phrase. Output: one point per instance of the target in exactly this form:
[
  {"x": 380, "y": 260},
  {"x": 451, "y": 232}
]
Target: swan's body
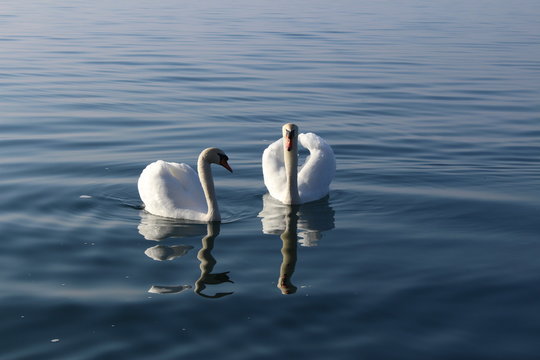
[
  {"x": 176, "y": 191},
  {"x": 290, "y": 185}
]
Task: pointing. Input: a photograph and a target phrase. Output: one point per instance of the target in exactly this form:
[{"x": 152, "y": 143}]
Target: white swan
[
  {"x": 280, "y": 167},
  {"x": 173, "y": 190}
]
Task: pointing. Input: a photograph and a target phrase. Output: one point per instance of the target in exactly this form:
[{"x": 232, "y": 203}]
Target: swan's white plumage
[
  {"x": 314, "y": 177},
  {"x": 172, "y": 190},
  {"x": 274, "y": 169}
]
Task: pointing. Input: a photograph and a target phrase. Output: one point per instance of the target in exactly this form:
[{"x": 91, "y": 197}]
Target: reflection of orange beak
[
  {"x": 225, "y": 164},
  {"x": 288, "y": 143}
]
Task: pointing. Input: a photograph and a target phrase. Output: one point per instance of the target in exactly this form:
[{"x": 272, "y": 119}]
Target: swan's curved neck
[
  {"x": 207, "y": 182},
  {"x": 291, "y": 173}
]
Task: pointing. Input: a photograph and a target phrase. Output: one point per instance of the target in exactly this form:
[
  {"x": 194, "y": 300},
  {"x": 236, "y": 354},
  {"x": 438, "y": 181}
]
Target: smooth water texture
[{"x": 427, "y": 246}]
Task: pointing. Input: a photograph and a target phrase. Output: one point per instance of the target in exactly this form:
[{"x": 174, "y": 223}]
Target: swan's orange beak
[{"x": 223, "y": 162}]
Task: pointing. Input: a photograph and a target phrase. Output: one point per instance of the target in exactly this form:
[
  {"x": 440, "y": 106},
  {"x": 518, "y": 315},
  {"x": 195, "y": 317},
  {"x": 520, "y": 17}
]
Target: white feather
[
  {"x": 172, "y": 190},
  {"x": 176, "y": 191},
  {"x": 314, "y": 177}
]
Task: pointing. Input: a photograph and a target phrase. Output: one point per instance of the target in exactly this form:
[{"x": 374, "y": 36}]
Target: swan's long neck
[
  {"x": 207, "y": 182},
  {"x": 291, "y": 173}
]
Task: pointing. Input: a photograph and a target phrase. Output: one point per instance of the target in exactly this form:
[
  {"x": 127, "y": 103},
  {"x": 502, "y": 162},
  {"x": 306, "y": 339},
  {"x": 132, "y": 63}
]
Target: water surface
[{"x": 426, "y": 247}]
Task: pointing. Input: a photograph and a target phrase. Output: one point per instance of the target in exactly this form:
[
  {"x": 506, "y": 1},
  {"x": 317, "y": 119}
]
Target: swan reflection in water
[
  {"x": 157, "y": 228},
  {"x": 313, "y": 218},
  {"x": 291, "y": 222},
  {"x": 208, "y": 262}
]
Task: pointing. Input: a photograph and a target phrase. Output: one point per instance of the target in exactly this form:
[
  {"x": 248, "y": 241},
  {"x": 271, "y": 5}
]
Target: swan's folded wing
[
  {"x": 273, "y": 167},
  {"x": 165, "y": 188},
  {"x": 315, "y": 176},
  {"x": 191, "y": 196}
]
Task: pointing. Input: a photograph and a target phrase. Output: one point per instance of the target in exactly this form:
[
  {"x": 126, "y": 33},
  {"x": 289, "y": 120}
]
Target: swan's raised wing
[
  {"x": 168, "y": 188},
  {"x": 273, "y": 167},
  {"x": 315, "y": 176}
]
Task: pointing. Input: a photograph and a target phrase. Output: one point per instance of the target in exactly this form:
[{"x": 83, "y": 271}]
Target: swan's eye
[{"x": 223, "y": 157}]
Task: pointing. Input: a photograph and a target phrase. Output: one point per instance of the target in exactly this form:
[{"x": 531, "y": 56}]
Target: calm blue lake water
[{"x": 426, "y": 248}]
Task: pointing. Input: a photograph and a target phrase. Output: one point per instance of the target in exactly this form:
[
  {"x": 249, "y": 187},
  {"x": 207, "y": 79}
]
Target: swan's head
[
  {"x": 290, "y": 135},
  {"x": 216, "y": 156}
]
